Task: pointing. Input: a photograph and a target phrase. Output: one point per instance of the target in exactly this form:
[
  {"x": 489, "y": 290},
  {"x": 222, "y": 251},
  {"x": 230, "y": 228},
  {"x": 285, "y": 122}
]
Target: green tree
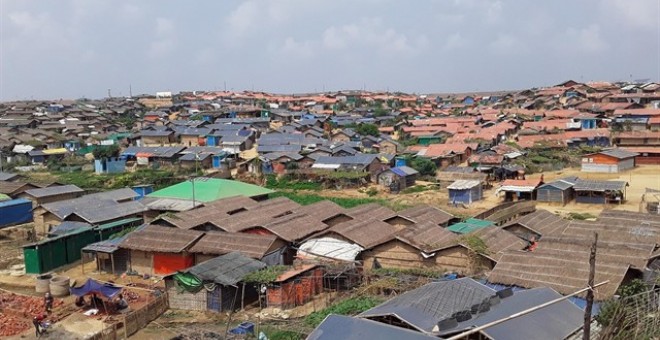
[
  {"x": 368, "y": 130},
  {"x": 425, "y": 166},
  {"x": 106, "y": 151}
]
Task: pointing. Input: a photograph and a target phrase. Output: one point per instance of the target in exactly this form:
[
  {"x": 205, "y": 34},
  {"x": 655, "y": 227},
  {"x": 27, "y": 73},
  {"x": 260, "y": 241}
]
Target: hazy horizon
[{"x": 81, "y": 48}]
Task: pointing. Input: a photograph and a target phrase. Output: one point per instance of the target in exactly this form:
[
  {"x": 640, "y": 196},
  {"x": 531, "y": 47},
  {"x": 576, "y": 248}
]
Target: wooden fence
[{"x": 131, "y": 322}]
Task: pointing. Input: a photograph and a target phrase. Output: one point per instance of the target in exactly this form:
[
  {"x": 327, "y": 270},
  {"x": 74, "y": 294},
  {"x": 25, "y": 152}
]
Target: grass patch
[
  {"x": 279, "y": 334},
  {"x": 284, "y": 183},
  {"x": 580, "y": 216},
  {"x": 415, "y": 188},
  {"x": 91, "y": 181},
  {"x": 344, "y": 202},
  {"x": 423, "y": 272},
  {"x": 350, "y": 306}
]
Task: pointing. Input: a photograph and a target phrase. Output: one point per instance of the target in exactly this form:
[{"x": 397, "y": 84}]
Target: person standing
[
  {"x": 36, "y": 321},
  {"x": 48, "y": 302}
]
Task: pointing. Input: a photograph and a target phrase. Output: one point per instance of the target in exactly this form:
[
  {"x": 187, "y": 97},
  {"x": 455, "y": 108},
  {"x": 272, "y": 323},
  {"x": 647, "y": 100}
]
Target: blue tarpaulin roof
[{"x": 95, "y": 287}]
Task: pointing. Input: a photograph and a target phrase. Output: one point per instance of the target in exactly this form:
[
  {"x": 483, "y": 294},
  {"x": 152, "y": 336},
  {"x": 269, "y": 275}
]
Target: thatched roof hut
[
  {"x": 220, "y": 243},
  {"x": 155, "y": 238},
  {"x": 425, "y": 213},
  {"x": 209, "y": 212},
  {"x": 427, "y": 236},
  {"x": 497, "y": 241},
  {"x": 539, "y": 222},
  {"x": 365, "y": 232},
  {"x": 563, "y": 264}
]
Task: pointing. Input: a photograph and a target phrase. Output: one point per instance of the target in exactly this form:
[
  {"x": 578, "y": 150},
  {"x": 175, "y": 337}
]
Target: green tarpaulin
[{"x": 188, "y": 282}]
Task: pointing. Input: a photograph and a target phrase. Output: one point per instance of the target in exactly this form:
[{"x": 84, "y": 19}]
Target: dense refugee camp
[{"x": 324, "y": 170}]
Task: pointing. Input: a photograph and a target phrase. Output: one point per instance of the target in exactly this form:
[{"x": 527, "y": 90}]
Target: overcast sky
[{"x": 73, "y": 48}]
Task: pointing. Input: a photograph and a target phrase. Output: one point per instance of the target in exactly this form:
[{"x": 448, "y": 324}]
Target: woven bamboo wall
[{"x": 185, "y": 300}]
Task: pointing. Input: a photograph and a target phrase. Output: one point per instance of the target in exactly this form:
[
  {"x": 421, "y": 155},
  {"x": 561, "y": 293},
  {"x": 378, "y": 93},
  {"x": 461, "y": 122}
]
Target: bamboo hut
[
  {"x": 562, "y": 263},
  {"x": 267, "y": 248},
  {"x": 160, "y": 250},
  {"x": 215, "y": 285},
  {"x": 536, "y": 224},
  {"x": 425, "y": 213}
]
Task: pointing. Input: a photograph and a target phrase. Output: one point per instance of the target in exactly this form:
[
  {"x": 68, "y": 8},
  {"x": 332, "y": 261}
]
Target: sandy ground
[{"x": 640, "y": 178}]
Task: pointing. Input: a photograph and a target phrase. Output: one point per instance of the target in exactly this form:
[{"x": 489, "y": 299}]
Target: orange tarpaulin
[{"x": 165, "y": 263}]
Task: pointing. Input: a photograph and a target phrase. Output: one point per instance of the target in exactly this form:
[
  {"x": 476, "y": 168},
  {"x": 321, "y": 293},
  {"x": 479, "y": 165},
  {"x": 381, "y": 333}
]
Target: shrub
[
  {"x": 350, "y": 306},
  {"x": 425, "y": 166}
]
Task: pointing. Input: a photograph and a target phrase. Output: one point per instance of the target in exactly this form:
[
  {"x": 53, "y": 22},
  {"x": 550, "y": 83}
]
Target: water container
[
  {"x": 399, "y": 161},
  {"x": 59, "y": 286},
  {"x": 43, "y": 283}
]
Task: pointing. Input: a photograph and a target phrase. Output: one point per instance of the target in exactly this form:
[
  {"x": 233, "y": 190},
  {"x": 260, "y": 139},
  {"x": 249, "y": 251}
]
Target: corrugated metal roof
[
  {"x": 358, "y": 159},
  {"x": 227, "y": 269},
  {"x": 7, "y": 176},
  {"x": 556, "y": 321},
  {"x": 590, "y": 185},
  {"x": 169, "y": 204},
  {"x": 54, "y": 190},
  {"x": 330, "y": 248},
  {"x": 404, "y": 171},
  {"x": 469, "y": 225},
  {"x": 463, "y": 184},
  {"x": 559, "y": 184},
  {"x": 109, "y": 211},
  {"x": 425, "y": 306},
  {"x": 619, "y": 153},
  {"x": 350, "y": 328},
  {"x": 210, "y": 189},
  {"x": 68, "y": 227},
  {"x": 64, "y": 208}
]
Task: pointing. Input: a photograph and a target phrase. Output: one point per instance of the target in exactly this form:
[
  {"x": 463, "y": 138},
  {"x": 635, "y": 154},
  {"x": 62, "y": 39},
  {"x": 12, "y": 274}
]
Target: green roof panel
[
  {"x": 469, "y": 225},
  {"x": 210, "y": 189}
]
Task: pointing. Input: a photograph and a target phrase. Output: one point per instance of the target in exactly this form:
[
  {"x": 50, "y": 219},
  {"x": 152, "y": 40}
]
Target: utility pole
[
  {"x": 586, "y": 331},
  {"x": 192, "y": 180}
]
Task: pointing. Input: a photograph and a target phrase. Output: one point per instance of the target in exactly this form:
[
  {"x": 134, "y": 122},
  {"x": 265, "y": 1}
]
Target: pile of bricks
[
  {"x": 17, "y": 311},
  {"x": 11, "y": 325},
  {"x": 20, "y": 304}
]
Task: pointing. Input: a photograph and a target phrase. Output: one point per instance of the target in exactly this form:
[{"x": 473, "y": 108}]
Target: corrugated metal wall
[
  {"x": 593, "y": 167},
  {"x": 459, "y": 196},
  {"x": 627, "y": 164},
  {"x": 16, "y": 211},
  {"x": 550, "y": 195}
]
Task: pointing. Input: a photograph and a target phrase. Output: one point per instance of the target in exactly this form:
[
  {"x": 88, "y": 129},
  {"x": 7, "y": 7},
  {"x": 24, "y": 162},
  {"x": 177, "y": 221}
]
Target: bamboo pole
[
  {"x": 112, "y": 262},
  {"x": 586, "y": 333},
  {"x": 524, "y": 312}
]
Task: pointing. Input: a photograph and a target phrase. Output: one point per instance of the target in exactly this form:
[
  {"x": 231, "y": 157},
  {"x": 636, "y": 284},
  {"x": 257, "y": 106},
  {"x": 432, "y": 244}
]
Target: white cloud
[
  {"x": 130, "y": 10},
  {"x": 34, "y": 32},
  {"x": 243, "y": 18},
  {"x": 160, "y": 48},
  {"x": 587, "y": 39},
  {"x": 164, "y": 26},
  {"x": 371, "y": 32},
  {"x": 301, "y": 49},
  {"x": 638, "y": 14},
  {"x": 494, "y": 11},
  {"x": 88, "y": 56},
  {"x": 455, "y": 41},
  {"x": 507, "y": 44}
]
